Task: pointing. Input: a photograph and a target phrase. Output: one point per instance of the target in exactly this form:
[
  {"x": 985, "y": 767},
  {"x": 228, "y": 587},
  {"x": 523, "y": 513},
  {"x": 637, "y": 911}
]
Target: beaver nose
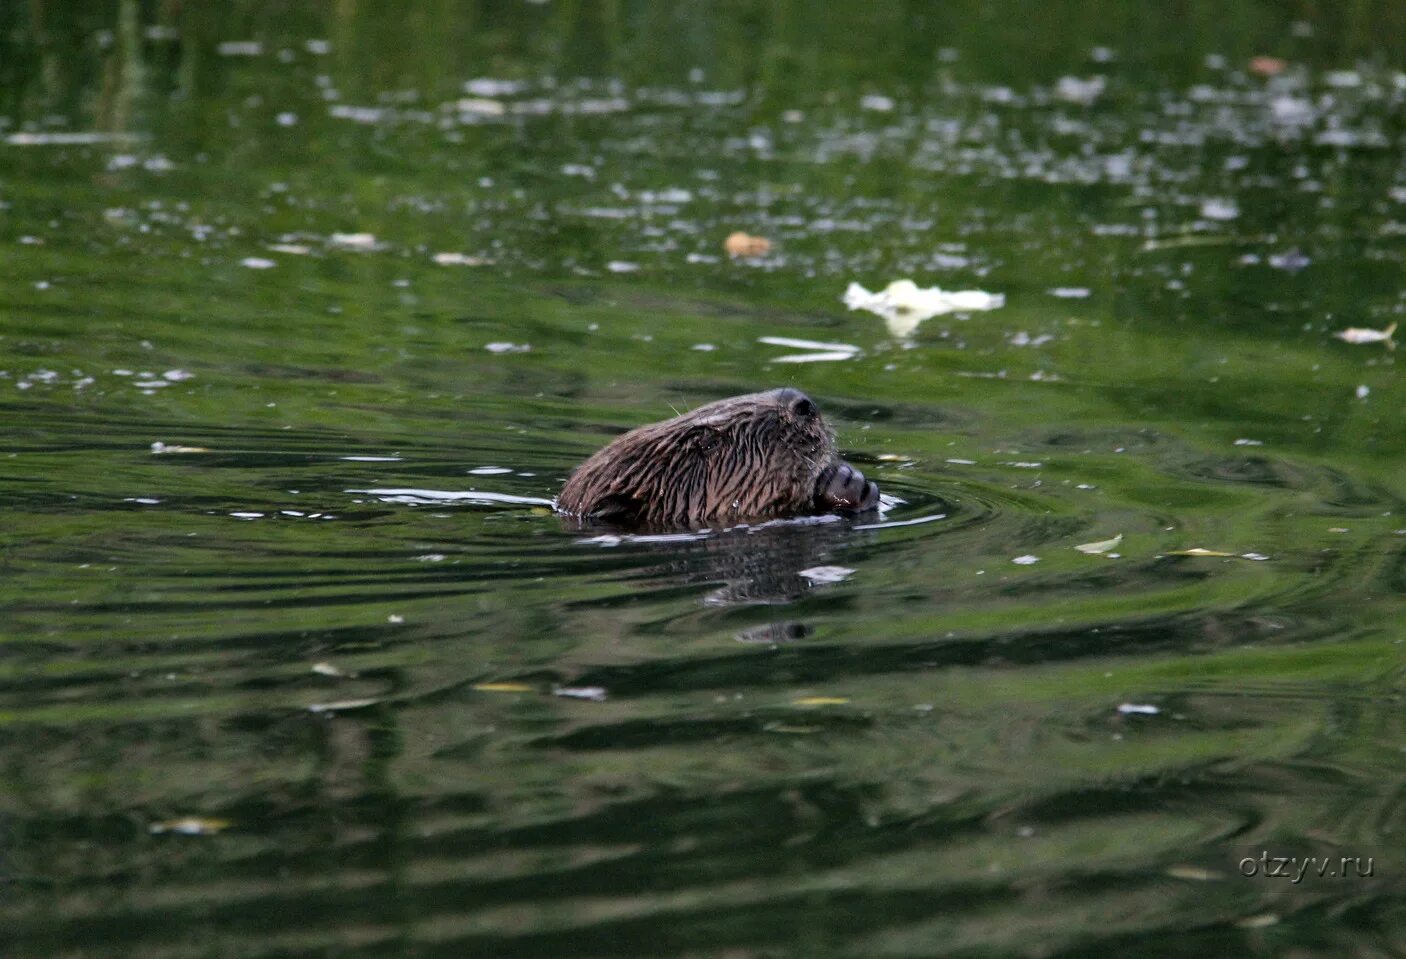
[
  {"x": 796, "y": 401},
  {"x": 871, "y": 496},
  {"x": 844, "y": 487}
]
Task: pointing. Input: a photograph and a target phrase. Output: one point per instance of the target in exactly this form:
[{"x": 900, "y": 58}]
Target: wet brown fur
[{"x": 752, "y": 457}]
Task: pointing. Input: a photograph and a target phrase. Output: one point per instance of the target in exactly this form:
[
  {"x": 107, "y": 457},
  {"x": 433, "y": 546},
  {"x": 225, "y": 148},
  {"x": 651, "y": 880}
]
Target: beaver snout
[
  {"x": 796, "y": 403},
  {"x": 842, "y": 486}
]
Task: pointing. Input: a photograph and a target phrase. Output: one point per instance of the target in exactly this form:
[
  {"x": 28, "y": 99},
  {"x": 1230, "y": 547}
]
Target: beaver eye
[{"x": 802, "y": 406}]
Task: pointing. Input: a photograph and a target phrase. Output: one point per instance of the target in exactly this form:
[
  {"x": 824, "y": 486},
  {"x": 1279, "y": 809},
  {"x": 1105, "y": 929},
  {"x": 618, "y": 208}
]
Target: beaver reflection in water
[{"x": 755, "y": 457}]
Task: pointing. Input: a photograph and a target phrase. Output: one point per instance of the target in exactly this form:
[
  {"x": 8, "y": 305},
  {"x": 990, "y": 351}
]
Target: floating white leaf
[
  {"x": 903, "y": 304},
  {"x": 1362, "y": 334},
  {"x": 1102, "y": 546}
]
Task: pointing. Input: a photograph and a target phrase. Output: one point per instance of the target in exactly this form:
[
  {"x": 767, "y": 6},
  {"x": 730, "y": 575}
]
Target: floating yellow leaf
[
  {"x": 1267, "y": 66},
  {"x": 743, "y": 244},
  {"x": 1198, "y": 551},
  {"x": 821, "y": 701},
  {"x": 1102, "y": 546},
  {"x": 502, "y": 687}
]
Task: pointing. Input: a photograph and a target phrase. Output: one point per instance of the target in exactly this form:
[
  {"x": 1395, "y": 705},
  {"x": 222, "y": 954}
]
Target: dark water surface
[{"x": 306, "y": 310}]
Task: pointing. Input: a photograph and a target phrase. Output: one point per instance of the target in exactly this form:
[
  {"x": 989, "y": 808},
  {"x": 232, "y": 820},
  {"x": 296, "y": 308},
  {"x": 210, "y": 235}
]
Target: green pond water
[{"x": 307, "y": 310}]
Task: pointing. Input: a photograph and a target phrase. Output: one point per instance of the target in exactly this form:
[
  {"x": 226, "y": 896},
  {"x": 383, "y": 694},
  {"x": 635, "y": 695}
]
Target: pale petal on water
[{"x": 1102, "y": 546}]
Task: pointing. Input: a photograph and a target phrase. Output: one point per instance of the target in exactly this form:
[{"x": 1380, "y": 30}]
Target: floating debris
[
  {"x": 160, "y": 449},
  {"x": 1290, "y": 261},
  {"x": 1102, "y": 546},
  {"x": 821, "y": 701},
  {"x": 819, "y": 575},
  {"x": 353, "y": 241},
  {"x": 1023, "y": 338},
  {"x": 257, "y": 263},
  {"x": 1080, "y": 91},
  {"x": 190, "y": 826},
  {"x": 1219, "y": 208},
  {"x": 886, "y": 503},
  {"x": 1265, "y": 66},
  {"x": 410, "y": 496},
  {"x": 70, "y": 138},
  {"x": 903, "y": 304},
  {"x": 1262, "y": 921},
  {"x": 832, "y": 357},
  {"x": 1198, "y": 551},
  {"x": 341, "y": 705},
  {"x": 823, "y": 352},
  {"x": 508, "y": 347},
  {"x": 493, "y": 87},
  {"x": 1362, "y": 391},
  {"x": 741, "y": 244},
  {"x": 1026, "y": 560},
  {"x": 481, "y": 106},
  {"x": 502, "y": 688},
  {"x": 1138, "y": 709},
  {"x": 459, "y": 259},
  {"x": 127, "y": 161},
  {"x": 327, "y": 669},
  {"x": 1362, "y": 334},
  {"x": 595, "y": 694}
]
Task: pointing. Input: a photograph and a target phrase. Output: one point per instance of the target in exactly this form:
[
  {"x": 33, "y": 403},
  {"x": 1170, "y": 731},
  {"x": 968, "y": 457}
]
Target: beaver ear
[{"x": 616, "y": 508}]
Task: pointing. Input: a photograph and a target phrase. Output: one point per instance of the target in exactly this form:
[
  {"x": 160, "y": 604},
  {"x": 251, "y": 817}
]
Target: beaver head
[{"x": 754, "y": 457}]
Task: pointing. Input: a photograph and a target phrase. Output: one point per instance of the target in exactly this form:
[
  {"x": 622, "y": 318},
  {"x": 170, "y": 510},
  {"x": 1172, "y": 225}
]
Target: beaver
[{"x": 755, "y": 457}]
